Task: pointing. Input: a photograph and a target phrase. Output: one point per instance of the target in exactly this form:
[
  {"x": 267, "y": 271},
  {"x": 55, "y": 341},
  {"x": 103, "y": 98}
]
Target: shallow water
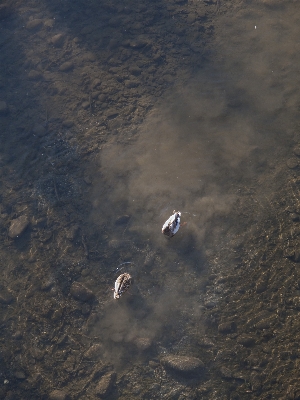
[{"x": 114, "y": 116}]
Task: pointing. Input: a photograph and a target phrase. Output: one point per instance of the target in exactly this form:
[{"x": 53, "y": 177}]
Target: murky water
[{"x": 112, "y": 116}]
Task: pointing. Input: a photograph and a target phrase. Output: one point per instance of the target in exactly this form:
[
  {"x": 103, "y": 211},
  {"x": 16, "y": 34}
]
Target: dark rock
[
  {"x": 94, "y": 352},
  {"x": 105, "y": 384},
  {"x": 5, "y": 10},
  {"x": 57, "y": 40},
  {"x": 182, "y": 364},
  {"x": 3, "y": 108},
  {"x": 122, "y": 220},
  {"x": 226, "y": 373},
  {"x": 292, "y": 163},
  {"x": 17, "y": 335},
  {"x": 39, "y": 130},
  {"x": 81, "y": 292},
  {"x": 294, "y": 217},
  {"x": 6, "y": 297},
  {"x": 18, "y": 226},
  {"x": 143, "y": 343},
  {"x": 227, "y": 327},
  {"x": 20, "y": 375},
  {"x": 67, "y": 66},
  {"x": 67, "y": 123},
  {"x": 261, "y": 285},
  {"x": 246, "y": 340},
  {"x": 34, "y": 24},
  {"x": 57, "y": 395}
]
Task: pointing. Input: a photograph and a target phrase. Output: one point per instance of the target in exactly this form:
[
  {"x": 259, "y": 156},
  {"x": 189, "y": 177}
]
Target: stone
[
  {"x": 122, "y": 220},
  {"x": 292, "y": 163},
  {"x": 34, "y": 24},
  {"x": 143, "y": 343},
  {"x": 67, "y": 66},
  {"x": 105, "y": 384},
  {"x": 6, "y": 297},
  {"x": 39, "y": 130},
  {"x": 18, "y": 226},
  {"x": 57, "y": 395},
  {"x": 182, "y": 364},
  {"x": 67, "y": 123},
  {"x": 34, "y": 75},
  {"x": 3, "y": 108},
  {"x": 94, "y": 352},
  {"x": 246, "y": 340},
  {"x": 226, "y": 372},
  {"x": 227, "y": 327},
  {"x": 57, "y": 40},
  {"x": 81, "y": 292},
  {"x": 20, "y": 375}
]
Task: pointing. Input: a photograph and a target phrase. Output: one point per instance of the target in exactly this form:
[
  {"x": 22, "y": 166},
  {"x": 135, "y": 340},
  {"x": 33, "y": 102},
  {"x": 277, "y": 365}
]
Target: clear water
[{"x": 189, "y": 106}]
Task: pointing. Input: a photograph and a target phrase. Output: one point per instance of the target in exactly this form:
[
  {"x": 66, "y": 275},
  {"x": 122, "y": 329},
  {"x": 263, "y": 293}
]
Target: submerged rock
[
  {"x": 81, "y": 292},
  {"x": 18, "y": 226},
  {"x": 57, "y": 395},
  {"x": 105, "y": 384},
  {"x": 182, "y": 364},
  {"x": 246, "y": 340},
  {"x": 94, "y": 352}
]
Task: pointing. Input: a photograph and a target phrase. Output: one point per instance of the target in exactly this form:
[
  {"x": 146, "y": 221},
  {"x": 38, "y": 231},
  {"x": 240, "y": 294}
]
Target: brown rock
[
  {"x": 57, "y": 395},
  {"x": 34, "y": 24},
  {"x": 67, "y": 66},
  {"x": 246, "y": 340},
  {"x": 105, "y": 384},
  {"x": 182, "y": 363},
  {"x": 81, "y": 292},
  {"x": 94, "y": 352},
  {"x": 18, "y": 226},
  {"x": 6, "y": 296},
  {"x": 227, "y": 327},
  {"x": 57, "y": 40}
]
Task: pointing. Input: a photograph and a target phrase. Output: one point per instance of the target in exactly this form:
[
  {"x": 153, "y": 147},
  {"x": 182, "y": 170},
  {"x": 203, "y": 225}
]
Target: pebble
[
  {"x": 227, "y": 327},
  {"x": 34, "y": 75},
  {"x": 3, "y": 108},
  {"x": 261, "y": 285},
  {"x": 57, "y": 395},
  {"x": 66, "y": 66},
  {"x": 18, "y": 226},
  {"x": 6, "y": 296},
  {"x": 67, "y": 123},
  {"x": 34, "y": 24},
  {"x": 94, "y": 352},
  {"x": 292, "y": 163},
  {"x": 81, "y": 292},
  {"x": 39, "y": 130},
  {"x": 297, "y": 151},
  {"x": 122, "y": 220},
  {"x": 20, "y": 375},
  {"x": 105, "y": 384},
  {"x": 143, "y": 343},
  {"x": 182, "y": 363},
  {"x": 57, "y": 40},
  {"x": 226, "y": 373},
  {"x": 246, "y": 340},
  {"x": 294, "y": 217}
]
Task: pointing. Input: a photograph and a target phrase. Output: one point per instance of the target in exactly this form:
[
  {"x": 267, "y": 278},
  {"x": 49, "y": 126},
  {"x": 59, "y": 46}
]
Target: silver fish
[
  {"x": 122, "y": 284},
  {"x": 172, "y": 225}
]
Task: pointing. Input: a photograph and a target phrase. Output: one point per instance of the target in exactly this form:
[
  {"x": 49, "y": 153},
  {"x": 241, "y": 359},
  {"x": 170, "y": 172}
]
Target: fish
[
  {"x": 172, "y": 225},
  {"x": 122, "y": 284}
]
